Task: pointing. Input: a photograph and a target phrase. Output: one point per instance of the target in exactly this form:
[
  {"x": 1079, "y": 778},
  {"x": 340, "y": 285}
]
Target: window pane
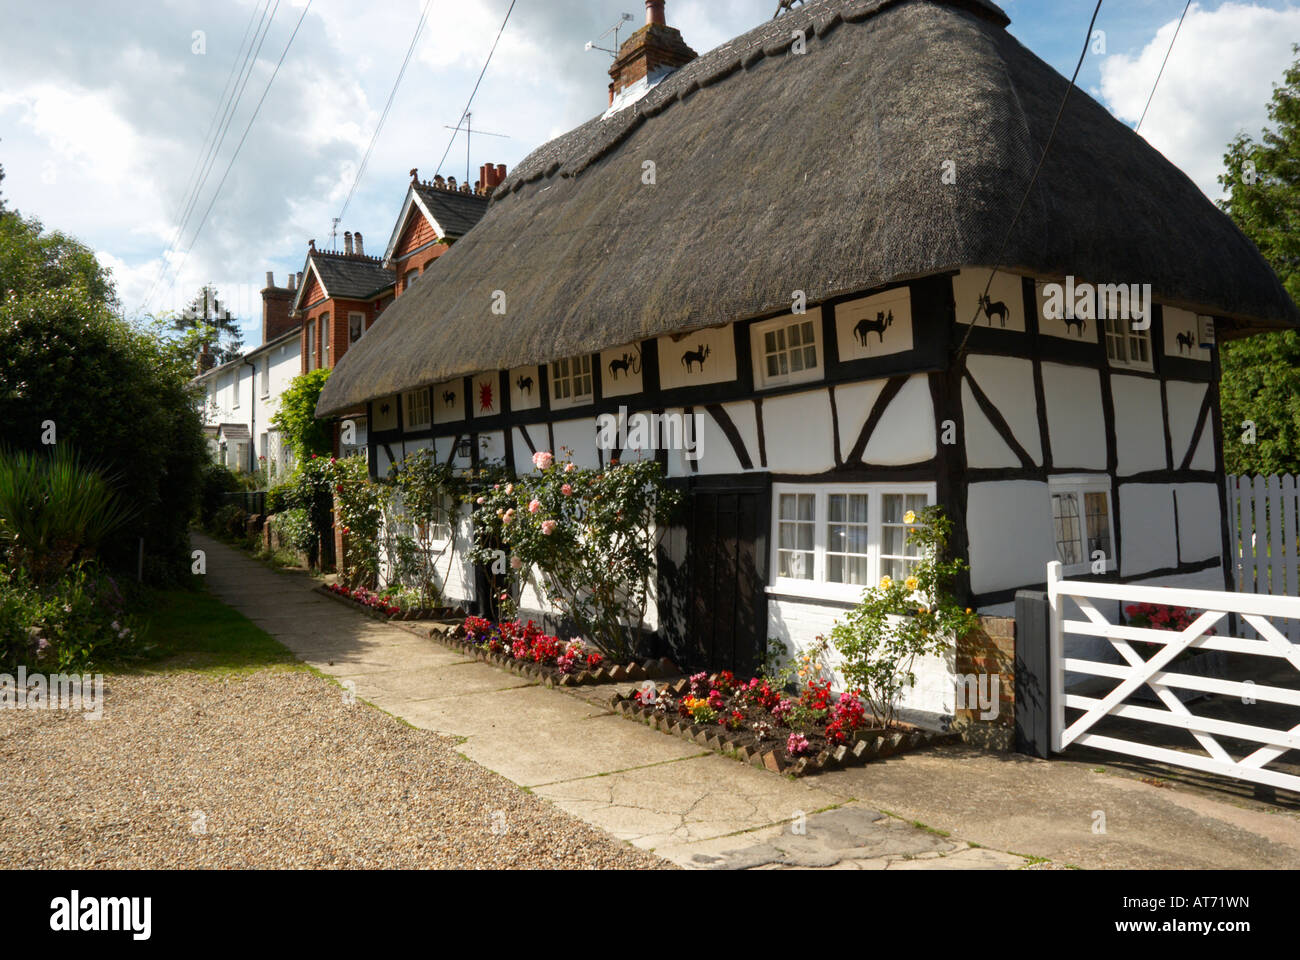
[
  {"x": 835, "y": 507},
  {"x": 1098, "y": 516},
  {"x": 807, "y": 507},
  {"x": 892, "y": 508},
  {"x": 1065, "y": 515},
  {"x": 787, "y": 508},
  {"x": 858, "y": 508}
]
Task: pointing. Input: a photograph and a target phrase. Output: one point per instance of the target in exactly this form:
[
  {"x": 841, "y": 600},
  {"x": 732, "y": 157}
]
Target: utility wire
[
  {"x": 1087, "y": 41},
  {"x": 476, "y": 86},
  {"x": 251, "y": 120},
  {"x": 1162, "y": 66},
  {"x": 365, "y": 159},
  {"x": 245, "y": 72}
]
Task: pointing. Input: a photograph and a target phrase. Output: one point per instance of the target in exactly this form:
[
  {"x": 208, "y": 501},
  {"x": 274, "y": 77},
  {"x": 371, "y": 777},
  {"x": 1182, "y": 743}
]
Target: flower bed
[
  {"x": 524, "y": 648},
  {"x": 383, "y": 607},
  {"x": 763, "y": 726}
]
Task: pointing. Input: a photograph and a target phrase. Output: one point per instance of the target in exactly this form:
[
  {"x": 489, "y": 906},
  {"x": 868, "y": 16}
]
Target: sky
[{"x": 106, "y": 108}]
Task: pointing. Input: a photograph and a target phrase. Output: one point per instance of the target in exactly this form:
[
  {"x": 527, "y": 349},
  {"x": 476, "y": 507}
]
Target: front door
[{"x": 726, "y": 616}]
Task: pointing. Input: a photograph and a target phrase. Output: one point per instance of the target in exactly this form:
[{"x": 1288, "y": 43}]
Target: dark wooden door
[{"x": 726, "y": 616}]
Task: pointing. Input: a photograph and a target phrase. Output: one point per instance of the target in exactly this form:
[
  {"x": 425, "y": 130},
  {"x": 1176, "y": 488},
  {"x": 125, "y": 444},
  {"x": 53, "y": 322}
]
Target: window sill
[{"x": 808, "y": 591}]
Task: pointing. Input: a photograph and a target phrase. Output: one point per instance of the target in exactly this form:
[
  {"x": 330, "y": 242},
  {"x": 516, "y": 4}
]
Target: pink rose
[
  {"x": 510, "y": 488},
  {"x": 515, "y": 563},
  {"x": 567, "y": 490},
  {"x": 534, "y": 505},
  {"x": 481, "y": 500},
  {"x": 568, "y": 468},
  {"x": 548, "y": 527},
  {"x": 543, "y": 459},
  {"x": 509, "y": 516}
]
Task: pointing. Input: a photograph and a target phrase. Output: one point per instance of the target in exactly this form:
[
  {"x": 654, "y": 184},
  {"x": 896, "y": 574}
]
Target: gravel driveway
[{"x": 267, "y": 769}]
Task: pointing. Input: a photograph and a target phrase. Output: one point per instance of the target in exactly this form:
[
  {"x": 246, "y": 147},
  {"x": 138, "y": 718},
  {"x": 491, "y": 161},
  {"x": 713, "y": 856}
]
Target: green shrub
[
  {"x": 231, "y": 522},
  {"x": 295, "y": 529},
  {"x": 77, "y": 622},
  {"x": 215, "y": 481},
  {"x": 54, "y": 511}
]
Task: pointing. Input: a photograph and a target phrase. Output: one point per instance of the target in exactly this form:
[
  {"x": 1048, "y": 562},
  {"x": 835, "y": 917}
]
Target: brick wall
[{"x": 988, "y": 653}]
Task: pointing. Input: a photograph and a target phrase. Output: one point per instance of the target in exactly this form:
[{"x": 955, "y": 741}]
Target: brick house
[{"x": 435, "y": 214}]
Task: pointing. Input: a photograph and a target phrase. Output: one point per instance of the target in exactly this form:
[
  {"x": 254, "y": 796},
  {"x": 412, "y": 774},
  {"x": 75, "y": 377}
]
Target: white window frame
[
  {"x": 1082, "y": 484},
  {"x": 410, "y": 408},
  {"x": 265, "y": 377},
  {"x": 325, "y": 339},
  {"x": 577, "y": 369},
  {"x": 818, "y": 588},
  {"x": 758, "y": 334},
  {"x": 361, "y": 326},
  {"x": 1123, "y": 337},
  {"x": 234, "y": 403}
]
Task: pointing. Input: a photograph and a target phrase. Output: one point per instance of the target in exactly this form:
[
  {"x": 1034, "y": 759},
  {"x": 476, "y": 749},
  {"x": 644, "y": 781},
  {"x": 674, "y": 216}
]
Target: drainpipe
[{"x": 252, "y": 417}]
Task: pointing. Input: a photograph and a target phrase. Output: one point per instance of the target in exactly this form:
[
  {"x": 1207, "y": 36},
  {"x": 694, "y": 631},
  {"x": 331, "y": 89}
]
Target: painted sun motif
[{"x": 485, "y": 396}]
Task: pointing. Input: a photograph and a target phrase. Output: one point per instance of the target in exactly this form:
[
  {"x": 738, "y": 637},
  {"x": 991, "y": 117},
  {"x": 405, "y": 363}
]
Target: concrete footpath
[{"x": 948, "y": 808}]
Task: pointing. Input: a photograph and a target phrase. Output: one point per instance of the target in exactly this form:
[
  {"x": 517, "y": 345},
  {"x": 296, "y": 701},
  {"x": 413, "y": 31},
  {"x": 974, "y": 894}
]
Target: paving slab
[
  {"x": 674, "y": 803},
  {"x": 437, "y": 680},
  {"x": 520, "y": 711}
]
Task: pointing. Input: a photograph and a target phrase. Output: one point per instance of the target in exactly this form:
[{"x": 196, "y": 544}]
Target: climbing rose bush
[{"x": 588, "y": 537}]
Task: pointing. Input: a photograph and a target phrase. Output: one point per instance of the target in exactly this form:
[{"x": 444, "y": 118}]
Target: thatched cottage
[{"x": 789, "y": 239}]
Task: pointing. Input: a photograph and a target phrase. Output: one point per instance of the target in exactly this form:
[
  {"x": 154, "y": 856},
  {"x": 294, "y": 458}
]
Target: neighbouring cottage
[
  {"x": 240, "y": 397},
  {"x": 788, "y": 241}
]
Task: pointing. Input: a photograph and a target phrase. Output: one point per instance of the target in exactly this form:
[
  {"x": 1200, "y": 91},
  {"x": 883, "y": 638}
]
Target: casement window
[
  {"x": 1082, "y": 522},
  {"x": 312, "y": 361},
  {"x": 410, "y": 278},
  {"x": 266, "y": 377},
  {"x": 235, "y": 403},
  {"x": 786, "y": 350},
  {"x": 325, "y": 340},
  {"x": 356, "y": 326},
  {"x": 832, "y": 541},
  {"x": 571, "y": 381},
  {"x": 418, "y": 412},
  {"x": 1125, "y": 346}
]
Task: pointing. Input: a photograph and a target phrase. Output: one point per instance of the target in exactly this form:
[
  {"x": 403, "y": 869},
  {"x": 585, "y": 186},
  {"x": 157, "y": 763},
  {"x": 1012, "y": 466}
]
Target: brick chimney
[
  {"x": 206, "y": 360},
  {"x": 347, "y": 242},
  {"x": 490, "y": 177},
  {"x": 651, "y": 52},
  {"x": 276, "y": 303},
  {"x": 356, "y": 244}
]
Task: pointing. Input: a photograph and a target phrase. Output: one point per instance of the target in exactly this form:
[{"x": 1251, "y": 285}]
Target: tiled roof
[
  {"x": 455, "y": 212},
  {"x": 350, "y": 276}
]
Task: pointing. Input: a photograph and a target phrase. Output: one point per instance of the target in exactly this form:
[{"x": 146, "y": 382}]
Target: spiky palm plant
[{"x": 55, "y": 510}]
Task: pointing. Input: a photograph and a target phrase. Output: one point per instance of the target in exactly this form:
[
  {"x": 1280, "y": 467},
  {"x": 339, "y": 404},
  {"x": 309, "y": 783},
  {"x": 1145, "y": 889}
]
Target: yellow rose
[
  {"x": 909, "y": 517},
  {"x": 886, "y": 583},
  {"x": 912, "y": 583}
]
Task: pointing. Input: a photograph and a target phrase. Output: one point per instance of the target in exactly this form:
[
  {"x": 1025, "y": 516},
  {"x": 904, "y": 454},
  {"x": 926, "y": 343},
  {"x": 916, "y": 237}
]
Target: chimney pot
[
  {"x": 347, "y": 242},
  {"x": 356, "y": 239},
  {"x": 292, "y": 285},
  {"x": 300, "y": 278},
  {"x": 654, "y": 13},
  {"x": 270, "y": 278}
]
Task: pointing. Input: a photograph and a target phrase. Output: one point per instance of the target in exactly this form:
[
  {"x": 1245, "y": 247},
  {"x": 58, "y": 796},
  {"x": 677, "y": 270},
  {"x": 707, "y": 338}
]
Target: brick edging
[{"x": 718, "y": 739}]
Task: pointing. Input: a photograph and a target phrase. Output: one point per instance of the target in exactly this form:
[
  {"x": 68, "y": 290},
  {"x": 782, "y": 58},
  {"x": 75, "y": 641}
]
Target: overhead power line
[
  {"x": 239, "y": 146},
  {"x": 470, "y": 102},
  {"x": 365, "y": 159},
  {"x": 1006, "y": 238},
  {"x": 245, "y": 73},
  {"x": 1162, "y": 66}
]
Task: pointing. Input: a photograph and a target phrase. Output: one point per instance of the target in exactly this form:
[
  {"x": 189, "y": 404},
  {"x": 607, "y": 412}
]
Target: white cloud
[{"x": 1218, "y": 83}]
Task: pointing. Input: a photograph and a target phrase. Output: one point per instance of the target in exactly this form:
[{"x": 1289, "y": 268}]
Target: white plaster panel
[
  {"x": 854, "y": 401},
  {"x": 1186, "y": 324},
  {"x": 485, "y": 400},
  {"x": 1006, "y": 299},
  {"x": 1008, "y": 382},
  {"x": 1185, "y": 401},
  {"x": 1074, "y": 416},
  {"x": 1139, "y": 424},
  {"x": 385, "y": 409},
  {"x": 719, "y": 364},
  {"x": 1146, "y": 516},
  {"x": 874, "y": 326},
  {"x": 1082, "y": 329},
  {"x": 906, "y": 432},
  {"x": 1009, "y": 527},
  {"x": 798, "y": 433},
  {"x": 617, "y": 380},
  {"x": 525, "y": 388},
  {"x": 492, "y": 446},
  {"x": 984, "y": 445},
  {"x": 578, "y": 436},
  {"x": 1200, "y": 531},
  {"x": 448, "y": 401}
]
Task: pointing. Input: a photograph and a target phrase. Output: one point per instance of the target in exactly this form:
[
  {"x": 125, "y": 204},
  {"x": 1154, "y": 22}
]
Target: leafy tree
[
  {"x": 1261, "y": 374},
  {"x": 73, "y": 371},
  {"x": 296, "y": 418},
  {"x": 205, "y": 323}
]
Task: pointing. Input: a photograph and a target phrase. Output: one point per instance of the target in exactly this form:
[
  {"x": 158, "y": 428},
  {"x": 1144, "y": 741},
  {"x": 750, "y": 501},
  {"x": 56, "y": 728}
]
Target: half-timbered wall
[{"x": 1033, "y": 404}]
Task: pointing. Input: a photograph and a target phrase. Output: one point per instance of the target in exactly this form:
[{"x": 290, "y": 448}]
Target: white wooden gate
[
  {"x": 1263, "y": 531},
  {"x": 1067, "y": 598}
]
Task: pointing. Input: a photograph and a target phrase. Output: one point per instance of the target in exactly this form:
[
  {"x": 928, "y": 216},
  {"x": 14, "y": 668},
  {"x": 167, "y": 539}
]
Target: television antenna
[
  {"x": 334, "y": 234},
  {"x": 469, "y": 131},
  {"x": 595, "y": 45}
]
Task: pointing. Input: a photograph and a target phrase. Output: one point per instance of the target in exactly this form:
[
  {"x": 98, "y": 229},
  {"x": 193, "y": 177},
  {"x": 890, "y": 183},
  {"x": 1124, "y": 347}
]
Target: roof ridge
[{"x": 743, "y": 51}]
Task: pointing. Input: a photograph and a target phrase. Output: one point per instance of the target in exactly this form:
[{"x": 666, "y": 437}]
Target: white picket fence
[
  {"x": 1263, "y": 533},
  {"x": 1257, "y": 614}
]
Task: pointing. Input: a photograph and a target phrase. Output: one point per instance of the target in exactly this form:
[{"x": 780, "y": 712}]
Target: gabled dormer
[
  {"x": 435, "y": 214},
  {"x": 338, "y": 299}
]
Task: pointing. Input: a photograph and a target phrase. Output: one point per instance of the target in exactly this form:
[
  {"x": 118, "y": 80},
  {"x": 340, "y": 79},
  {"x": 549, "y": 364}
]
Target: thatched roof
[{"x": 817, "y": 172}]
